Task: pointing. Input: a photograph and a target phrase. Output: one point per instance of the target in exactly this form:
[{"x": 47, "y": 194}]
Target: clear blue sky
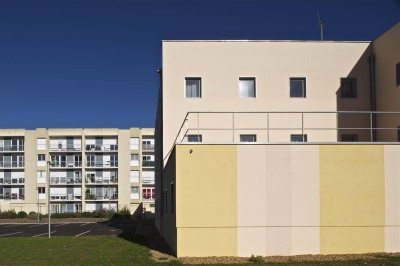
[{"x": 92, "y": 63}]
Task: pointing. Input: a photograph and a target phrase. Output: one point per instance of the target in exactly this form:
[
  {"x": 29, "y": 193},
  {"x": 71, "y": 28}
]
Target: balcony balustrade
[
  {"x": 65, "y": 180},
  {"x": 12, "y": 181},
  {"x": 148, "y": 163},
  {"x": 101, "y": 164},
  {"x": 72, "y": 148},
  {"x": 148, "y": 147},
  {"x": 100, "y": 196},
  {"x": 13, "y": 164},
  {"x": 12, "y": 196},
  {"x": 65, "y": 164},
  {"x": 10, "y": 148},
  {"x": 101, "y": 148},
  {"x": 98, "y": 180},
  {"x": 65, "y": 197}
]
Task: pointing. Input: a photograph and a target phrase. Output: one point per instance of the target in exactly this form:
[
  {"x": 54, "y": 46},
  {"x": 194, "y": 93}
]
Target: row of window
[{"x": 247, "y": 87}]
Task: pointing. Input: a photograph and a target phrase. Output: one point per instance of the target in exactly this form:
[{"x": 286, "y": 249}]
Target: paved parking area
[{"x": 68, "y": 229}]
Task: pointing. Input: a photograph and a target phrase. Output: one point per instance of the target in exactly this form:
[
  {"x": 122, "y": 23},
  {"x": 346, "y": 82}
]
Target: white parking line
[
  {"x": 45, "y": 234},
  {"x": 85, "y": 224},
  {"x": 60, "y": 225},
  {"x": 11, "y": 234},
  {"x": 11, "y": 225},
  {"x": 36, "y": 225},
  {"x": 83, "y": 233}
]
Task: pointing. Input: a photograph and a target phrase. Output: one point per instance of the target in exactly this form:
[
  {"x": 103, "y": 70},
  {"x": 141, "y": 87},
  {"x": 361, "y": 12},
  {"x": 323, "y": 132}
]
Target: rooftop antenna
[{"x": 320, "y": 26}]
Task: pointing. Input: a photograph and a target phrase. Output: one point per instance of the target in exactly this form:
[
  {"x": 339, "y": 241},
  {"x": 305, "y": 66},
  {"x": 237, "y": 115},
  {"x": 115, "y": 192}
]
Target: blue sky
[{"x": 92, "y": 63}]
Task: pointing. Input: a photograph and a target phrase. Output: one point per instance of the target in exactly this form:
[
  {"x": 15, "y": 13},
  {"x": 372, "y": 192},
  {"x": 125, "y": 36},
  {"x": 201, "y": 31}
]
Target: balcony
[
  {"x": 148, "y": 180},
  {"x": 12, "y": 196},
  {"x": 98, "y": 180},
  {"x": 12, "y": 181},
  {"x": 101, "y": 197},
  {"x": 13, "y": 164},
  {"x": 12, "y": 148},
  {"x": 63, "y": 164},
  {"x": 102, "y": 148},
  {"x": 60, "y": 148},
  {"x": 101, "y": 165},
  {"x": 65, "y": 197},
  {"x": 65, "y": 180},
  {"x": 147, "y": 147},
  {"x": 148, "y": 163}
]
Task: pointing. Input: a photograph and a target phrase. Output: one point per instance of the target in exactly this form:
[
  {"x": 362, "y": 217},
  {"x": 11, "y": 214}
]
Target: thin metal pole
[
  {"x": 48, "y": 197},
  {"x": 267, "y": 127},
  {"x": 371, "y": 131}
]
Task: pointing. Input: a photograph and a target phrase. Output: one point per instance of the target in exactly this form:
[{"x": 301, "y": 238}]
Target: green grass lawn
[{"x": 96, "y": 250}]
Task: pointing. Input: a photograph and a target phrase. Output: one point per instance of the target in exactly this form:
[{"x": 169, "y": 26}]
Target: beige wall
[
  {"x": 221, "y": 63},
  {"x": 386, "y": 50}
]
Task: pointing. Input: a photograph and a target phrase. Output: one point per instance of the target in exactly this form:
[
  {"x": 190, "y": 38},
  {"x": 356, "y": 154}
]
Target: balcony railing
[
  {"x": 65, "y": 180},
  {"x": 147, "y": 147},
  {"x": 148, "y": 163},
  {"x": 65, "y": 197},
  {"x": 12, "y": 148},
  {"x": 12, "y": 196},
  {"x": 105, "y": 164},
  {"x": 111, "y": 147},
  {"x": 148, "y": 180},
  {"x": 12, "y": 164},
  {"x": 66, "y": 164},
  {"x": 100, "y": 196},
  {"x": 12, "y": 181},
  {"x": 67, "y": 148},
  {"x": 101, "y": 180}
]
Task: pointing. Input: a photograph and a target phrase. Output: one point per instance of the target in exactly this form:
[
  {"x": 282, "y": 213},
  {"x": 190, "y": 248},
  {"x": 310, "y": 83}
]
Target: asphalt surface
[{"x": 68, "y": 229}]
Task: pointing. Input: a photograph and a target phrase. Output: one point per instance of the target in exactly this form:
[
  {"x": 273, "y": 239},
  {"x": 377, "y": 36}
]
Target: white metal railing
[
  {"x": 103, "y": 147},
  {"x": 59, "y": 148},
  {"x": 99, "y": 180},
  {"x": 12, "y": 164},
  {"x": 66, "y": 164},
  {"x": 65, "y": 180},
  {"x": 12, "y": 180},
  {"x": 65, "y": 197},
  {"x": 147, "y": 147},
  {"x": 12, "y": 148},
  {"x": 101, "y": 196},
  {"x": 101, "y": 164},
  {"x": 198, "y": 123},
  {"x": 12, "y": 196}
]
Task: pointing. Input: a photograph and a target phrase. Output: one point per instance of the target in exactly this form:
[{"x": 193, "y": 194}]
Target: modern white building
[{"x": 85, "y": 169}]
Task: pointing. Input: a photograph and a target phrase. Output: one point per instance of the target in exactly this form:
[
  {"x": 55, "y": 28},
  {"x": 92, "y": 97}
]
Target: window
[
  {"x": 194, "y": 138},
  {"x": 193, "y": 87},
  {"x": 148, "y": 193},
  {"x": 247, "y": 87},
  {"x": 134, "y": 176},
  {"x": 298, "y": 138},
  {"x": 398, "y": 74},
  {"x": 134, "y": 160},
  {"x": 41, "y": 177},
  {"x": 41, "y": 190},
  {"x": 248, "y": 138},
  {"x": 398, "y": 134},
  {"x": 348, "y": 88},
  {"x": 134, "y": 143},
  {"x": 41, "y": 144},
  {"x": 41, "y": 157},
  {"x": 349, "y": 137},
  {"x": 135, "y": 193},
  {"x": 297, "y": 88},
  {"x": 172, "y": 198}
]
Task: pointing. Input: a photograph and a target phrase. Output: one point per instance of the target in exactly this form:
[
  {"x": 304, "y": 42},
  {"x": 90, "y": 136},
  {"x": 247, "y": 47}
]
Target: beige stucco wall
[
  {"x": 272, "y": 63},
  {"x": 387, "y": 53}
]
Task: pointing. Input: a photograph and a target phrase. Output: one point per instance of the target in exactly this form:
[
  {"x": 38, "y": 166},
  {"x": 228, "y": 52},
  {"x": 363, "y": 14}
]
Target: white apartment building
[{"x": 84, "y": 169}]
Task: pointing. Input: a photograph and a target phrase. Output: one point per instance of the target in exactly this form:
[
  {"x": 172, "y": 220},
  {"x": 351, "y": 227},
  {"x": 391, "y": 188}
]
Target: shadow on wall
[{"x": 354, "y": 94}]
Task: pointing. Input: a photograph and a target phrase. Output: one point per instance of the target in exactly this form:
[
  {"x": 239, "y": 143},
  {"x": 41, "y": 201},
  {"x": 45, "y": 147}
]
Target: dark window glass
[
  {"x": 297, "y": 87},
  {"x": 349, "y": 137},
  {"x": 248, "y": 138},
  {"x": 348, "y": 88},
  {"x": 298, "y": 138},
  {"x": 194, "y": 138},
  {"x": 398, "y": 74}
]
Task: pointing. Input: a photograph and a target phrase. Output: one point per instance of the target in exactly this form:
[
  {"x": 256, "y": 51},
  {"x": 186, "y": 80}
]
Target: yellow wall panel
[{"x": 352, "y": 188}]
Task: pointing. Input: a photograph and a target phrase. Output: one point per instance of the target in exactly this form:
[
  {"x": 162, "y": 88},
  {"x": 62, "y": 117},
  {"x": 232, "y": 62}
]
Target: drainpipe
[{"x": 373, "y": 92}]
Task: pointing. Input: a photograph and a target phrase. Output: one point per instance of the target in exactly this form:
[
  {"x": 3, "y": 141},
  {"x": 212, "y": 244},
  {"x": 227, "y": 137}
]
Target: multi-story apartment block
[
  {"x": 84, "y": 169},
  {"x": 279, "y": 147}
]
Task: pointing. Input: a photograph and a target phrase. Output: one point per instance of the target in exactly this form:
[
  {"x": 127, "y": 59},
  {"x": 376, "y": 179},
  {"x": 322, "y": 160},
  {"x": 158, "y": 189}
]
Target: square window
[
  {"x": 398, "y": 134},
  {"x": 298, "y": 138},
  {"x": 134, "y": 157},
  {"x": 41, "y": 190},
  {"x": 398, "y": 74},
  {"x": 41, "y": 157},
  {"x": 349, "y": 137},
  {"x": 297, "y": 87},
  {"x": 248, "y": 138},
  {"x": 194, "y": 138},
  {"x": 247, "y": 87},
  {"x": 348, "y": 88},
  {"x": 193, "y": 87}
]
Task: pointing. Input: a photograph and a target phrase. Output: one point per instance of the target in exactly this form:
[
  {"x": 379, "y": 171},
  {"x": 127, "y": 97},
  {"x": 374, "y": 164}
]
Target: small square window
[
  {"x": 193, "y": 87},
  {"x": 247, "y": 87},
  {"x": 297, "y": 87},
  {"x": 248, "y": 138},
  {"x": 41, "y": 157},
  {"x": 398, "y": 134},
  {"x": 349, "y": 137},
  {"x": 348, "y": 88},
  {"x": 41, "y": 190},
  {"x": 298, "y": 138},
  {"x": 194, "y": 138},
  {"x": 398, "y": 74}
]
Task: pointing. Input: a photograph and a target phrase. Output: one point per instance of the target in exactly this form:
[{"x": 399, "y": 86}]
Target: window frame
[
  {"x": 200, "y": 88},
  {"x": 248, "y": 135},
  {"x": 41, "y": 157},
  {"x": 304, "y": 89},
  {"x": 254, "y": 87},
  {"x": 198, "y": 136},
  {"x": 353, "y": 92},
  {"x": 303, "y": 136}
]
